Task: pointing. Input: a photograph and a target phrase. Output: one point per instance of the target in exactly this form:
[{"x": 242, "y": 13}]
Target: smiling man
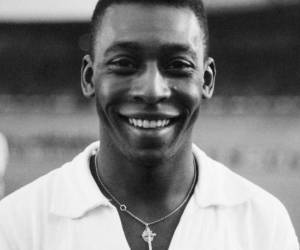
[{"x": 145, "y": 186}]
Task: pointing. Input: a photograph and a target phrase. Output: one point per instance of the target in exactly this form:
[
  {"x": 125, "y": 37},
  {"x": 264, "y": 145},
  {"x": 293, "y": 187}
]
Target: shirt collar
[
  {"x": 75, "y": 192},
  {"x": 219, "y": 186}
]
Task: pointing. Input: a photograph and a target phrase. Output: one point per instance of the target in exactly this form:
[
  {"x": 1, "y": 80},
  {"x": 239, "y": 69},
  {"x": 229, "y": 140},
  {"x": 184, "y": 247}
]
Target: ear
[
  {"x": 209, "y": 78},
  {"x": 87, "y": 84}
]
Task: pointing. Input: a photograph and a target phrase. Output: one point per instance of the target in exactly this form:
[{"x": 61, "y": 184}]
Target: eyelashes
[
  {"x": 126, "y": 65},
  {"x": 123, "y": 65},
  {"x": 123, "y": 62},
  {"x": 179, "y": 67}
]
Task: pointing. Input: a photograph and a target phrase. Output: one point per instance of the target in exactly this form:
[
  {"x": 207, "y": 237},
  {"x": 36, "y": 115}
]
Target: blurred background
[{"x": 252, "y": 124}]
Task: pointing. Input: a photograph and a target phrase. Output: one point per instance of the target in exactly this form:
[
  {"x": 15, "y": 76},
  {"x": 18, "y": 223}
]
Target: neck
[{"x": 164, "y": 184}]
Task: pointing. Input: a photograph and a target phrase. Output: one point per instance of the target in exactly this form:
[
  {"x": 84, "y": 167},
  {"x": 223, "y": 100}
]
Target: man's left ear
[{"x": 209, "y": 78}]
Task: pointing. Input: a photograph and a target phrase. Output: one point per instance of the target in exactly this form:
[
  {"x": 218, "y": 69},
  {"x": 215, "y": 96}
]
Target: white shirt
[{"x": 65, "y": 210}]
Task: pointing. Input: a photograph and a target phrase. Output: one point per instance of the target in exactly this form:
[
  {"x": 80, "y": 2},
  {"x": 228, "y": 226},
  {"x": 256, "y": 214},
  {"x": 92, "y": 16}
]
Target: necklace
[{"x": 147, "y": 235}]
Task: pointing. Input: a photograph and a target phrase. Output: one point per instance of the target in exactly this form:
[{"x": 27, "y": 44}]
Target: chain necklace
[{"x": 147, "y": 235}]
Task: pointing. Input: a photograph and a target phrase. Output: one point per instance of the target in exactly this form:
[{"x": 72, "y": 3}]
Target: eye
[
  {"x": 123, "y": 62},
  {"x": 179, "y": 67},
  {"x": 123, "y": 65}
]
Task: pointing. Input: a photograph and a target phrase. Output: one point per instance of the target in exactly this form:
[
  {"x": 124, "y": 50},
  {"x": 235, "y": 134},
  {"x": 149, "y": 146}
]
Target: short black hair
[{"x": 195, "y": 5}]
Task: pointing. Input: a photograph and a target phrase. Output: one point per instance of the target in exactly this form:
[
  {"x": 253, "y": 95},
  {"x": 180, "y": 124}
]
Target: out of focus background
[{"x": 252, "y": 124}]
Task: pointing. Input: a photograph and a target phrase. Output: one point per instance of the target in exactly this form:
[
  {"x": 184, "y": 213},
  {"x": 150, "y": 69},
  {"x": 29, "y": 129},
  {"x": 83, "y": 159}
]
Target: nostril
[
  {"x": 151, "y": 96},
  {"x": 137, "y": 98},
  {"x": 149, "y": 99}
]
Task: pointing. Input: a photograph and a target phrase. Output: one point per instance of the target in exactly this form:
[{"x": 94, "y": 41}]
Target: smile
[{"x": 149, "y": 124}]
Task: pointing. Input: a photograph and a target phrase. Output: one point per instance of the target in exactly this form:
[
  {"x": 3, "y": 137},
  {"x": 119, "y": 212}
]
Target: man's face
[{"x": 148, "y": 78}]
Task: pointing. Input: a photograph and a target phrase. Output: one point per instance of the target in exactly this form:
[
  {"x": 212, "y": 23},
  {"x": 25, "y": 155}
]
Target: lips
[
  {"x": 146, "y": 119},
  {"x": 149, "y": 121}
]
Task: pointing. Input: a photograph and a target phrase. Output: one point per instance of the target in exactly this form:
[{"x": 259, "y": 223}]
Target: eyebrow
[
  {"x": 172, "y": 48},
  {"x": 164, "y": 49},
  {"x": 127, "y": 46}
]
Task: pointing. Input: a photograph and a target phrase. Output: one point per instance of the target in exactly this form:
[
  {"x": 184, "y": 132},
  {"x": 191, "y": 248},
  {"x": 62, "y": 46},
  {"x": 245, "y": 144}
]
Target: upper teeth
[{"x": 148, "y": 123}]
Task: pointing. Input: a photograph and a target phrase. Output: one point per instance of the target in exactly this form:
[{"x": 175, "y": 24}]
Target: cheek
[
  {"x": 190, "y": 94},
  {"x": 108, "y": 96},
  {"x": 195, "y": 92},
  {"x": 108, "y": 92}
]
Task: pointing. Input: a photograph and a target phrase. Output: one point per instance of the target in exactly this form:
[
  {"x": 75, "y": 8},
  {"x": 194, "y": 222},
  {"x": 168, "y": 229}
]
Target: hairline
[{"x": 96, "y": 23}]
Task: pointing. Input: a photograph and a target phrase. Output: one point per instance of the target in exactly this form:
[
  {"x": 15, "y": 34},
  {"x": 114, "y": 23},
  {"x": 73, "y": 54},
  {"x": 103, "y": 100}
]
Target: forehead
[{"x": 149, "y": 25}]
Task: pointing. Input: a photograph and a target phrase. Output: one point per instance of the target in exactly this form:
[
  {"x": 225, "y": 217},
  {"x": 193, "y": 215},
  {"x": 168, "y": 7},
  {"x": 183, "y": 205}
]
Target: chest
[
  {"x": 155, "y": 236},
  {"x": 105, "y": 229}
]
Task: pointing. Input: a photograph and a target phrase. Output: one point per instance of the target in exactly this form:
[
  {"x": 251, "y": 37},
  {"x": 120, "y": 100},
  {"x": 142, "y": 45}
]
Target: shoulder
[
  {"x": 34, "y": 197},
  {"x": 41, "y": 192},
  {"x": 250, "y": 209},
  {"x": 28, "y": 213},
  {"x": 23, "y": 212},
  {"x": 244, "y": 193},
  {"x": 225, "y": 185},
  {"x": 220, "y": 186}
]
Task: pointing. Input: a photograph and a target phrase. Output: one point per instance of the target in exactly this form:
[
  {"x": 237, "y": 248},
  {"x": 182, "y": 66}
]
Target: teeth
[
  {"x": 139, "y": 123},
  {"x": 148, "y": 123}
]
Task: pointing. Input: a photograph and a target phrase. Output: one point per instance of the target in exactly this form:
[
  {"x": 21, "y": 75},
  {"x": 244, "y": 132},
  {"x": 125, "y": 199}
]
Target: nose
[{"x": 151, "y": 87}]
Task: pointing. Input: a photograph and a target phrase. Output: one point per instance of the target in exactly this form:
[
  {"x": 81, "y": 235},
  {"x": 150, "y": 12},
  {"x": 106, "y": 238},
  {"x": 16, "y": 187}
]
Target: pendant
[{"x": 148, "y": 236}]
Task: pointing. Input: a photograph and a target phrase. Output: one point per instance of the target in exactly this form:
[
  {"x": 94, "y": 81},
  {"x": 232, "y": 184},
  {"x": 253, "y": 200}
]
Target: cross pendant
[{"x": 148, "y": 236}]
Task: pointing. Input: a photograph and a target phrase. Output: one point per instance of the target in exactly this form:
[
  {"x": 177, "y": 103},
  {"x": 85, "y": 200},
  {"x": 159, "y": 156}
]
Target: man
[{"x": 145, "y": 186}]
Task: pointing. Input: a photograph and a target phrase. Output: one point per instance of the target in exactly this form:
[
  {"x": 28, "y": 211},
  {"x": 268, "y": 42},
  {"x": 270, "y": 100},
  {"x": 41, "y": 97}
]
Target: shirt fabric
[{"x": 65, "y": 210}]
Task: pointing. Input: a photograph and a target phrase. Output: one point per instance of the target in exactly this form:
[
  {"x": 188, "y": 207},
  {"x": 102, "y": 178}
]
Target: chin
[{"x": 150, "y": 157}]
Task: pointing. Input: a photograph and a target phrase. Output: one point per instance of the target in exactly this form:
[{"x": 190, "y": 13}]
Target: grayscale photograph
[{"x": 149, "y": 124}]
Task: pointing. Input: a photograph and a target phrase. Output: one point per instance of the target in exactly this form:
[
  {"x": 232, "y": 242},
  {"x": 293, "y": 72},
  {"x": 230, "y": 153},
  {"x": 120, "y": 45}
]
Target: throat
[
  {"x": 150, "y": 218},
  {"x": 151, "y": 194}
]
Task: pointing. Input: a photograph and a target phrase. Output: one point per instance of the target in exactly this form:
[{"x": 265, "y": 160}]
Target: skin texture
[{"x": 149, "y": 64}]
